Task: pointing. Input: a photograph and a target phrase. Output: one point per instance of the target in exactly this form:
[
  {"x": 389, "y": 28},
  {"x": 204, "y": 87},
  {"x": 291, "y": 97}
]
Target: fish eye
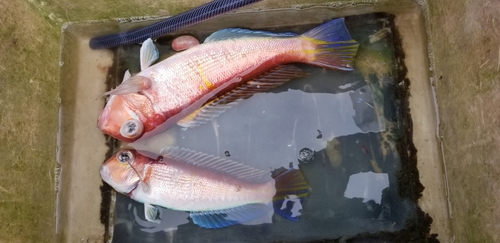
[
  {"x": 125, "y": 156},
  {"x": 131, "y": 128}
]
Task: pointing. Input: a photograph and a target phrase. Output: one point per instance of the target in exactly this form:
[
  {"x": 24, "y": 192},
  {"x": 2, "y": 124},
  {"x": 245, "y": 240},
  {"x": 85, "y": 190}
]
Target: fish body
[
  {"x": 198, "y": 183},
  {"x": 168, "y": 91},
  {"x": 181, "y": 186}
]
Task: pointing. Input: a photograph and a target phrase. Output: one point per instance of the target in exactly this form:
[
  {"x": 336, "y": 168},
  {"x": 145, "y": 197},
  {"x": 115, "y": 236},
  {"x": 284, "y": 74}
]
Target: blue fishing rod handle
[{"x": 153, "y": 31}]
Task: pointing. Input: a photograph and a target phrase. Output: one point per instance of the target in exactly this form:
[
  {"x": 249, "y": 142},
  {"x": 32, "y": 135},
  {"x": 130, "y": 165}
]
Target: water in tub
[{"x": 335, "y": 126}]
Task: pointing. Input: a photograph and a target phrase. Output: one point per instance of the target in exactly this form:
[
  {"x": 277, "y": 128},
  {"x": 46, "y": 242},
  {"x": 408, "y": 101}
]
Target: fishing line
[{"x": 139, "y": 175}]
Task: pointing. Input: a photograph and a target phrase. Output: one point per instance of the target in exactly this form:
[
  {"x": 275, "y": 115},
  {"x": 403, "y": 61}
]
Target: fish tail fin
[
  {"x": 291, "y": 191},
  {"x": 334, "y": 47}
]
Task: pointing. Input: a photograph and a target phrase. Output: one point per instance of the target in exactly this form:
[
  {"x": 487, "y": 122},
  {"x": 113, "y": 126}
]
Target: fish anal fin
[
  {"x": 239, "y": 215},
  {"x": 134, "y": 84},
  {"x": 269, "y": 80}
]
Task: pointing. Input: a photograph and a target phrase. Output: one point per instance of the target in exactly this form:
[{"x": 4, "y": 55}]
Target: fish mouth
[{"x": 119, "y": 187}]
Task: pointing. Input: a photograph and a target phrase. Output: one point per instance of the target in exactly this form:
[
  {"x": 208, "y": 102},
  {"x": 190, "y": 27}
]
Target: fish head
[
  {"x": 122, "y": 171},
  {"x": 125, "y": 117}
]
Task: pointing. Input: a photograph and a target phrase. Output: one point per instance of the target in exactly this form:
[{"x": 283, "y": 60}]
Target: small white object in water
[
  {"x": 379, "y": 35},
  {"x": 349, "y": 85}
]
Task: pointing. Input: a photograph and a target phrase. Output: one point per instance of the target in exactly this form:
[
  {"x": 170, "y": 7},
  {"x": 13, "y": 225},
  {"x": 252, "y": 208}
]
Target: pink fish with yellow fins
[
  {"x": 217, "y": 192},
  {"x": 190, "y": 84}
]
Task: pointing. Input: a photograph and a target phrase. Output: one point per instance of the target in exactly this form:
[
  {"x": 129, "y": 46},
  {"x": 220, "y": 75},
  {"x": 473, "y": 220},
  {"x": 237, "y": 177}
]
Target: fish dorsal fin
[
  {"x": 148, "y": 54},
  {"x": 231, "y": 216},
  {"x": 222, "y": 165},
  {"x": 264, "y": 82},
  {"x": 234, "y": 33}
]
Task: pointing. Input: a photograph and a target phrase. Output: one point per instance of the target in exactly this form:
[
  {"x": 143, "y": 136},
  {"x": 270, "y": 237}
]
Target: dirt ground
[
  {"x": 466, "y": 44},
  {"x": 465, "y": 41}
]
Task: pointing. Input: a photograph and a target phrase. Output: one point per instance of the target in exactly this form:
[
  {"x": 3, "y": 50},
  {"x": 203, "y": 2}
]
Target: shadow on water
[{"x": 349, "y": 132}]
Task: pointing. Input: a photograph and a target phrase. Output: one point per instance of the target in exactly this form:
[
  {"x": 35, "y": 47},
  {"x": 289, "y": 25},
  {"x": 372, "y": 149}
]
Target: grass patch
[{"x": 28, "y": 117}]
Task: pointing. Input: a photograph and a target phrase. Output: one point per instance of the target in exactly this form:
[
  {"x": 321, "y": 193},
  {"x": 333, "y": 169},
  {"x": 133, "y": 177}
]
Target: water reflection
[
  {"x": 169, "y": 220},
  {"x": 367, "y": 185}
]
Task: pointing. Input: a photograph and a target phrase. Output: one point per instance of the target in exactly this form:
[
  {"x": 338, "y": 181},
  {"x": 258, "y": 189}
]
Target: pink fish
[
  {"x": 217, "y": 192},
  {"x": 188, "y": 83}
]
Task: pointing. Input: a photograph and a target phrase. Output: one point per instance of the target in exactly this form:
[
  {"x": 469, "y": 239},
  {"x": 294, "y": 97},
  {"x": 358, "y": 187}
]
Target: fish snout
[
  {"x": 105, "y": 173},
  {"x": 119, "y": 121}
]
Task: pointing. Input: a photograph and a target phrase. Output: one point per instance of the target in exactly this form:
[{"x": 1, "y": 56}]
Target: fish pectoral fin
[
  {"x": 269, "y": 80},
  {"x": 126, "y": 75},
  {"x": 134, "y": 84},
  {"x": 151, "y": 212},
  {"x": 231, "y": 216},
  {"x": 148, "y": 54},
  {"x": 235, "y": 33}
]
